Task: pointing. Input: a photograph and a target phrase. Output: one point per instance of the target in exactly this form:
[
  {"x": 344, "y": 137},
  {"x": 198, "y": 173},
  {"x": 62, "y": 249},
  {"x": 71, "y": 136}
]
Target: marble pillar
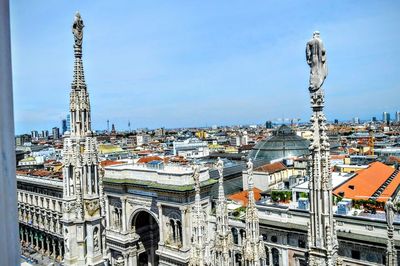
[{"x": 9, "y": 244}]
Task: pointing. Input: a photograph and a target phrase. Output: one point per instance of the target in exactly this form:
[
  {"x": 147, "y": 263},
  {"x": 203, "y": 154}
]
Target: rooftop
[
  {"x": 242, "y": 197},
  {"x": 366, "y": 181}
]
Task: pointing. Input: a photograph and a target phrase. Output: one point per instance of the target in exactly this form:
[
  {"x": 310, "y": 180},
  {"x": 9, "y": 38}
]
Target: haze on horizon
[{"x": 181, "y": 64}]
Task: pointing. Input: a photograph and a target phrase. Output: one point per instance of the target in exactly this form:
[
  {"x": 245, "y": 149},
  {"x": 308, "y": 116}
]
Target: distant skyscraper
[
  {"x": 34, "y": 134},
  {"x": 356, "y": 120},
  {"x": 45, "y": 134},
  {"x": 386, "y": 117},
  {"x": 268, "y": 124},
  {"x": 63, "y": 126},
  {"x": 397, "y": 117},
  {"x": 68, "y": 122},
  {"x": 374, "y": 119},
  {"x": 56, "y": 133},
  {"x": 336, "y": 121}
]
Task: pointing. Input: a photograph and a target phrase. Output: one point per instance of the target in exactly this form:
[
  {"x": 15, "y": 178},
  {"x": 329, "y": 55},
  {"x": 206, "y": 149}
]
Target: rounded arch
[
  {"x": 137, "y": 211},
  {"x": 146, "y": 226}
]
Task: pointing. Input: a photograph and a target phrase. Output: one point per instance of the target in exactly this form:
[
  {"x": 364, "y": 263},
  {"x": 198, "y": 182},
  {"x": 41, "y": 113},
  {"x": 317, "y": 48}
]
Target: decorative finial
[
  {"x": 77, "y": 30},
  {"x": 250, "y": 167},
  {"x": 316, "y": 59},
  {"x": 196, "y": 176},
  {"x": 220, "y": 167}
]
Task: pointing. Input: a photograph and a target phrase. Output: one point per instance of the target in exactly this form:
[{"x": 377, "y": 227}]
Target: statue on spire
[
  {"x": 316, "y": 59},
  {"x": 77, "y": 29}
]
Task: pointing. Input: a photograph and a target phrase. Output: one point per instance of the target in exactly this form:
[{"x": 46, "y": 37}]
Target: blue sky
[{"x": 197, "y": 63}]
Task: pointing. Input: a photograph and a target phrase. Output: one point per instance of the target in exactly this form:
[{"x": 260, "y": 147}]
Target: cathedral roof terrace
[{"x": 158, "y": 175}]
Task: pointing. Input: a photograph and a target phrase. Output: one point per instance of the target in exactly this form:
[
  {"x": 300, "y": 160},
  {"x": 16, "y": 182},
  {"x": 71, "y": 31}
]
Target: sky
[{"x": 201, "y": 63}]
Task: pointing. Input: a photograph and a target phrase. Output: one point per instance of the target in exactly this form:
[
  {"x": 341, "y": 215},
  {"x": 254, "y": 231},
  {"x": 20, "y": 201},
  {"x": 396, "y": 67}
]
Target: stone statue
[
  {"x": 316, "y": 59},
  {"x": 77, "y": 29},
  {"x": 196, "y": 176},
  {"x": 220, "y": 166},
  {"x": 389, "y": 211},
  {"x": 250, "y": 167}
]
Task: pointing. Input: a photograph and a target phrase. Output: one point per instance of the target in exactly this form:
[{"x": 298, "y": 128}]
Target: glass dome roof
[{"x": 282, "y": 144}]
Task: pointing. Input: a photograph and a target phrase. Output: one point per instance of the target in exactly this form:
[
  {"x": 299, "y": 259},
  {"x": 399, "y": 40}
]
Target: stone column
[
  {"x": 185, "y": 227},
  {"x": 161, "y": 219},
  {"x": 107, "y": 212},
  {"x": 48, "y": 246},
  {"x": 53, "y": 243},
  {"x": 9, "y": 244},
  {"x": 60, "y": 256},
  {"x": 132, "y": 261},
  {"x": 42, "y": 250},
  {"x": 21, "y": 235},
  {"x": 125, "y": 258},
  {"x": 89, "y": 174},
  {"x": 27, "y": 236},
  {"x": 123, "y": 218}
]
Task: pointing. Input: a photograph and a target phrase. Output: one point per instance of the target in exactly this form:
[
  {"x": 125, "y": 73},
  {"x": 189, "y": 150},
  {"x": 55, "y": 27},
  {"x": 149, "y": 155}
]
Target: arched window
[
  {"x": 275, "y": 257},
  {"x": 172, "y": 224},
  {"x": 235, "y": 236},
  {"x": 266, "y": 255},
  {"x": 179, "y": 231}
]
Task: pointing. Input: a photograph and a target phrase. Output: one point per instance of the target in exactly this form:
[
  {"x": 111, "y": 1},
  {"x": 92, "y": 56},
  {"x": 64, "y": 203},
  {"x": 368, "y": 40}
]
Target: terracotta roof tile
[
  {"x": 391, "y": 188},
  {"x": 109, "y": 163},
  {"x": 271, "y": 168},
  {"x": 148, "y": 159},
  {"x": 365, "y": 182},
  {"x": 243, "y": 196}
]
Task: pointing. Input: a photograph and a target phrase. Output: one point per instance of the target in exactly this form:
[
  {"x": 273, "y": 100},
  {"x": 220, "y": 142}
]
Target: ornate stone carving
[
  {"x": 316, "y": 59},
  {"x": 92, "y": 206},
  {"x": 322, "y": 239}
]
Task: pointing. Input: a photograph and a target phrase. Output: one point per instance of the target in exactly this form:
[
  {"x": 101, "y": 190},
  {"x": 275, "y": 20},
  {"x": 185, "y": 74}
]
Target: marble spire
[
  {"x": 198, "y": 256},
  {"x": 391, "y": 252},
  {"x": 83, "y": 219},
  {"x": 79, "y": 96},
  {"x": 253, "y": 251},
  {"x": 223, "y": 242},
  {"x": 322, "y": 239}
]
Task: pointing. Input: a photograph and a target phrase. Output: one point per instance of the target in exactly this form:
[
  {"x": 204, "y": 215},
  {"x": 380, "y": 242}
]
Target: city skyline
[{"x": 213, "y": 62}]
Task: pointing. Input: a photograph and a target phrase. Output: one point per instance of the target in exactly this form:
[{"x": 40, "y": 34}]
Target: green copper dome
[{"x": 282, "y": 144}]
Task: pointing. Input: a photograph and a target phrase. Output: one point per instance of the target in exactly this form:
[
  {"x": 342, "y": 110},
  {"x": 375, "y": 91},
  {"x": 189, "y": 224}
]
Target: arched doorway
[{"x": 146, "y": 226}]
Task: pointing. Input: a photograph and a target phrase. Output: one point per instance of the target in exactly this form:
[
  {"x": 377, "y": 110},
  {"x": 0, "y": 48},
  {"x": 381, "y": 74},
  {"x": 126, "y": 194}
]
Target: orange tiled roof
[
  {"x": 271, "y": 167},
  {"x": 391, "y": 188},
  {"x": 109, "y": 163},
  {"x": 242, "y": 197},
  {"x": 365, "y": 182},
  {"x": 148, "y": 159}
]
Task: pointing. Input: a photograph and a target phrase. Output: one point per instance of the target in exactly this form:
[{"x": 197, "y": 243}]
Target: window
[
  {"x": 274, "y": 239},
  {"x": 301, "y": 243},
  {"x": 355, "y": 254}
]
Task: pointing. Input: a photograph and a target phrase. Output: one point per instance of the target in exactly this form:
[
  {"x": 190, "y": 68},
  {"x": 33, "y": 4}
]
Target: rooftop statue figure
[
  {"x": 77, "y": 29},
  {"x": 250, "y": 170},
  {"x": 196, "y": 176},
  {"x": 389, "y": 211},
  {"x": 220, "y": 166},
  {"x": 316, "y": 59}
]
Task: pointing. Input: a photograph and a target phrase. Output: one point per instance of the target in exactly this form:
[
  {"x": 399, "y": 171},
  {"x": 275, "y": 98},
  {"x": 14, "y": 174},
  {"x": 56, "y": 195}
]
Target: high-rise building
[
  {"x": 268, "y": 124},
  {"x": 68, "y": 122},
  {"x": 63, "y": 126},
  {"x": 56, "y": 133},
  {"x": 356, "y": 120},
  {"x": 34, "y": 135},
  {"x": 386, "y": 117},
  {"x": 45, "y": 134},
  {"x": 374, "y": 119},
  {"x": 397, "y": 117},
  {"x": 336, "y": 121}
]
